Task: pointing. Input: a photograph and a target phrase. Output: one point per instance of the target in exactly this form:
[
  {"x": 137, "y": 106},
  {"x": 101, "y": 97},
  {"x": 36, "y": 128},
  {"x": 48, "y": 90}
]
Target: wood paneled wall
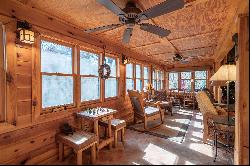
[{"x": 31, "y": 140}]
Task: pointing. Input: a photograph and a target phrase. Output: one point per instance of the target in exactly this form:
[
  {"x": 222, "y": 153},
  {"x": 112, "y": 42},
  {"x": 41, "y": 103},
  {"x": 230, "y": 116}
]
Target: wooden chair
[
  {"x": 146, "y": 114},
  {"x": 79, "y": 141}
]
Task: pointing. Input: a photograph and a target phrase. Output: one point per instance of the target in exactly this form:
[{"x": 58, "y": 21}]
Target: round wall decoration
[{"x": 104, "y": 71}]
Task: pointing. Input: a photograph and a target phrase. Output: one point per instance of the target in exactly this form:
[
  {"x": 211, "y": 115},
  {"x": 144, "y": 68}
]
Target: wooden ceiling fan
[{"x": 131, "y": 16}]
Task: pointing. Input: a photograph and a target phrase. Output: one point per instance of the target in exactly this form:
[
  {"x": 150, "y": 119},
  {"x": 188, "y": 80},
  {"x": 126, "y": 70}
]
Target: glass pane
[
  {"x": 154, "y": 74},
  {"x": 55, "y": 58},
  {"x": 90, "y": 88},
  {"x": 146, "y": 73},
  {"x": 57, "y": 90},
  {"x": 129, "y": 84},
  {"x": 200, "y": 84},
  {"x": 159, "y": 85},
  {"x": 89, "y": 63},
  {"x": 138, "y": 71},
  {"x": 185, "y": 75},
  {"x": 185, "y": 84},
  {"x": 112, "y": 63},
  {"x": 158, "y": 75},
  {"x": 173, "y": 80},
  {"x": 154, "y": 84},
  {"x": 146, "y": 83},
  {"x": 200, "y": 74},
  {"x": 138, "y": 84},
  {"x": 129, "y": 70},
  {"x": 110, "y": 87}
]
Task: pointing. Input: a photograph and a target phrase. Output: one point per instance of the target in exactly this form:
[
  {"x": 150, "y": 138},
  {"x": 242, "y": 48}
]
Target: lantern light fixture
[{"x": 24, "y": 32}]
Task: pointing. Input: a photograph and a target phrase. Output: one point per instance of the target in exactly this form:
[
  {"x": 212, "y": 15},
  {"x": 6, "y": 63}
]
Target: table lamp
[{"x": 225, "y": 73}]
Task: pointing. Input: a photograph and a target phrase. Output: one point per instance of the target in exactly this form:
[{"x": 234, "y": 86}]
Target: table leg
[
  {"x": 109, "y": 133},
  {"x": 122, "y": 134},
  {"x": 115, "y": 138},
  {"x": 79, "y": 157},
  {"x": 93, "y": 153},
  {"x": 96, "y": 130},
  {"x": 61, "y": 151}
]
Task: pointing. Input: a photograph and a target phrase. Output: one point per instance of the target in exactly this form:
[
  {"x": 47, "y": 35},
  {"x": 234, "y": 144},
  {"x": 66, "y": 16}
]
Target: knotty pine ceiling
[{"x": 196, "y": 30}]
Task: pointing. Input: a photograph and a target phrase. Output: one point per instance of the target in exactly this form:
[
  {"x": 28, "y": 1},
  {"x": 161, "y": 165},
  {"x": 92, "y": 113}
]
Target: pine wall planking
[{"x": 33, "y": 142}]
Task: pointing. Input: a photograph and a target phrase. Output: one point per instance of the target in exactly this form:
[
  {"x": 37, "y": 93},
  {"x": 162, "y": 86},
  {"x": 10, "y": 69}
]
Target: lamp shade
[{"x": 225, "y": 73}]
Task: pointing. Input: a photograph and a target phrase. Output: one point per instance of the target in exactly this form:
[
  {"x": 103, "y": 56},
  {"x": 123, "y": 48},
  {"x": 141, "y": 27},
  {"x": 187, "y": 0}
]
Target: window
[
  {"x": 158, "y": 79},
  {"x": 129, "y": 77},
  {"x": 146, "y": 76},
  {"x": 57, "y": 74},
  {"x": 90, "y": 82},
  {"x": 173, "y": 81},
  {"x": 138, "y": 77},
  {"x": 200, "y": 80},
  {"x": 154, "y": 79},
  {"x": 186, "y": 81},
  {"x": 111, "y": 84}
]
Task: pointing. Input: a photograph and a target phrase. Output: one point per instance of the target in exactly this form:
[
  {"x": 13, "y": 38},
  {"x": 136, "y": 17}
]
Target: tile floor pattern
[{"x": 144, "y": 149}]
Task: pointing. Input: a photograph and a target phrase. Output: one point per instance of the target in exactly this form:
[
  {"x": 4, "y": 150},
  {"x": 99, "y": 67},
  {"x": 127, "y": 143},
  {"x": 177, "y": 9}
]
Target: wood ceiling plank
[
  {"x": 198, "y": 41},
  {"x": 192, "y": 27}
]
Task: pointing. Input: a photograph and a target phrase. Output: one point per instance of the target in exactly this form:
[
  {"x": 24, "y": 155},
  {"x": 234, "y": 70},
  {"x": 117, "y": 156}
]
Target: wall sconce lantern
[
  {"x": 124, "y": 59},
  {"x": 24, "y": 33}
]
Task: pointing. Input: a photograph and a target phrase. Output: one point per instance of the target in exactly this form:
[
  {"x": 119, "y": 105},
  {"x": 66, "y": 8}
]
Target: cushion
[{"x": 151, "y": 110}]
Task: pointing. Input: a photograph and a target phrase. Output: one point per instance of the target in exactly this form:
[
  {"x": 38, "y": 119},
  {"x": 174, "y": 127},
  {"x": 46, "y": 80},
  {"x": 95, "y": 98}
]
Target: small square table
[{"x": 100, "y": 114}]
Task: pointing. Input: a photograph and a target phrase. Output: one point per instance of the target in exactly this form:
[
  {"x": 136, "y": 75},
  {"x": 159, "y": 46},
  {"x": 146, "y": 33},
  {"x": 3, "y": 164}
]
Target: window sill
[{"x": 111, "y": 98}]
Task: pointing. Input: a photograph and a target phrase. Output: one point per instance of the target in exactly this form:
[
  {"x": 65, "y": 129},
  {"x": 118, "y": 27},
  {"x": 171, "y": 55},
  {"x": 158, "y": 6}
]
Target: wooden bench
[
  {"x": 79, "y": 141},
  {"x": 116, "y": 125}
]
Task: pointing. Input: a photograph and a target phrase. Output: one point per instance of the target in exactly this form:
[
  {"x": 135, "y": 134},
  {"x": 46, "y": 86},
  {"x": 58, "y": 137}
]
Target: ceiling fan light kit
[{"x": 131, "y": 16}]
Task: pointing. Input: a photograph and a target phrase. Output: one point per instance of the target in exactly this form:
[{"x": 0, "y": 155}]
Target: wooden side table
[
  {"x": 79, "y": 141},
  {"x": 116, "y": 125},
  {"x": 96, "y": 115}
]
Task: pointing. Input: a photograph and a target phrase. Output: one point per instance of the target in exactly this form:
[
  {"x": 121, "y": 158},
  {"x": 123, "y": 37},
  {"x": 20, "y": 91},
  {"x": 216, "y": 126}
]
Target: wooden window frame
[
  {"x": 67, "y": 107},
  {"x": 200, "y": 79},
  {"x": 186, "y": 79},
  {"x": 143, "y": 75},
  {"x": 83, "y": 103},
  {"x": 177, "y": 81},
  {"x": 130, "y": 78},
  {"x": 139, "y": 78},
  {"x": 117, "y": 79}
]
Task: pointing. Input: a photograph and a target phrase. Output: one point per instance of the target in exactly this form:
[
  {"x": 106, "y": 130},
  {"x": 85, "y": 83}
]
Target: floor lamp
[{"x": 225, "y": 73}]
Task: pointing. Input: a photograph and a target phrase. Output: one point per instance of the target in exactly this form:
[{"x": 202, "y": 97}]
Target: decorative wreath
[{"x": 104, "y": 71}]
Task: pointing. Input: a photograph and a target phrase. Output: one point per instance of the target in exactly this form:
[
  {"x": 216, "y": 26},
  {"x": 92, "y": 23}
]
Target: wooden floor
[{"x": 145, "y": 149}]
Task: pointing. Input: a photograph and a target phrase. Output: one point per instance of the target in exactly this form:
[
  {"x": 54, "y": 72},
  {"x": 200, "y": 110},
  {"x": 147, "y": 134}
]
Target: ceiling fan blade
[
  {"x": 127, "y": 35},
  {"x": 105, "y": 27},
  {"x": 112, "y": 7},
  {"x": 155, "y": 29},
  {"x": 162, "y": 8}
]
